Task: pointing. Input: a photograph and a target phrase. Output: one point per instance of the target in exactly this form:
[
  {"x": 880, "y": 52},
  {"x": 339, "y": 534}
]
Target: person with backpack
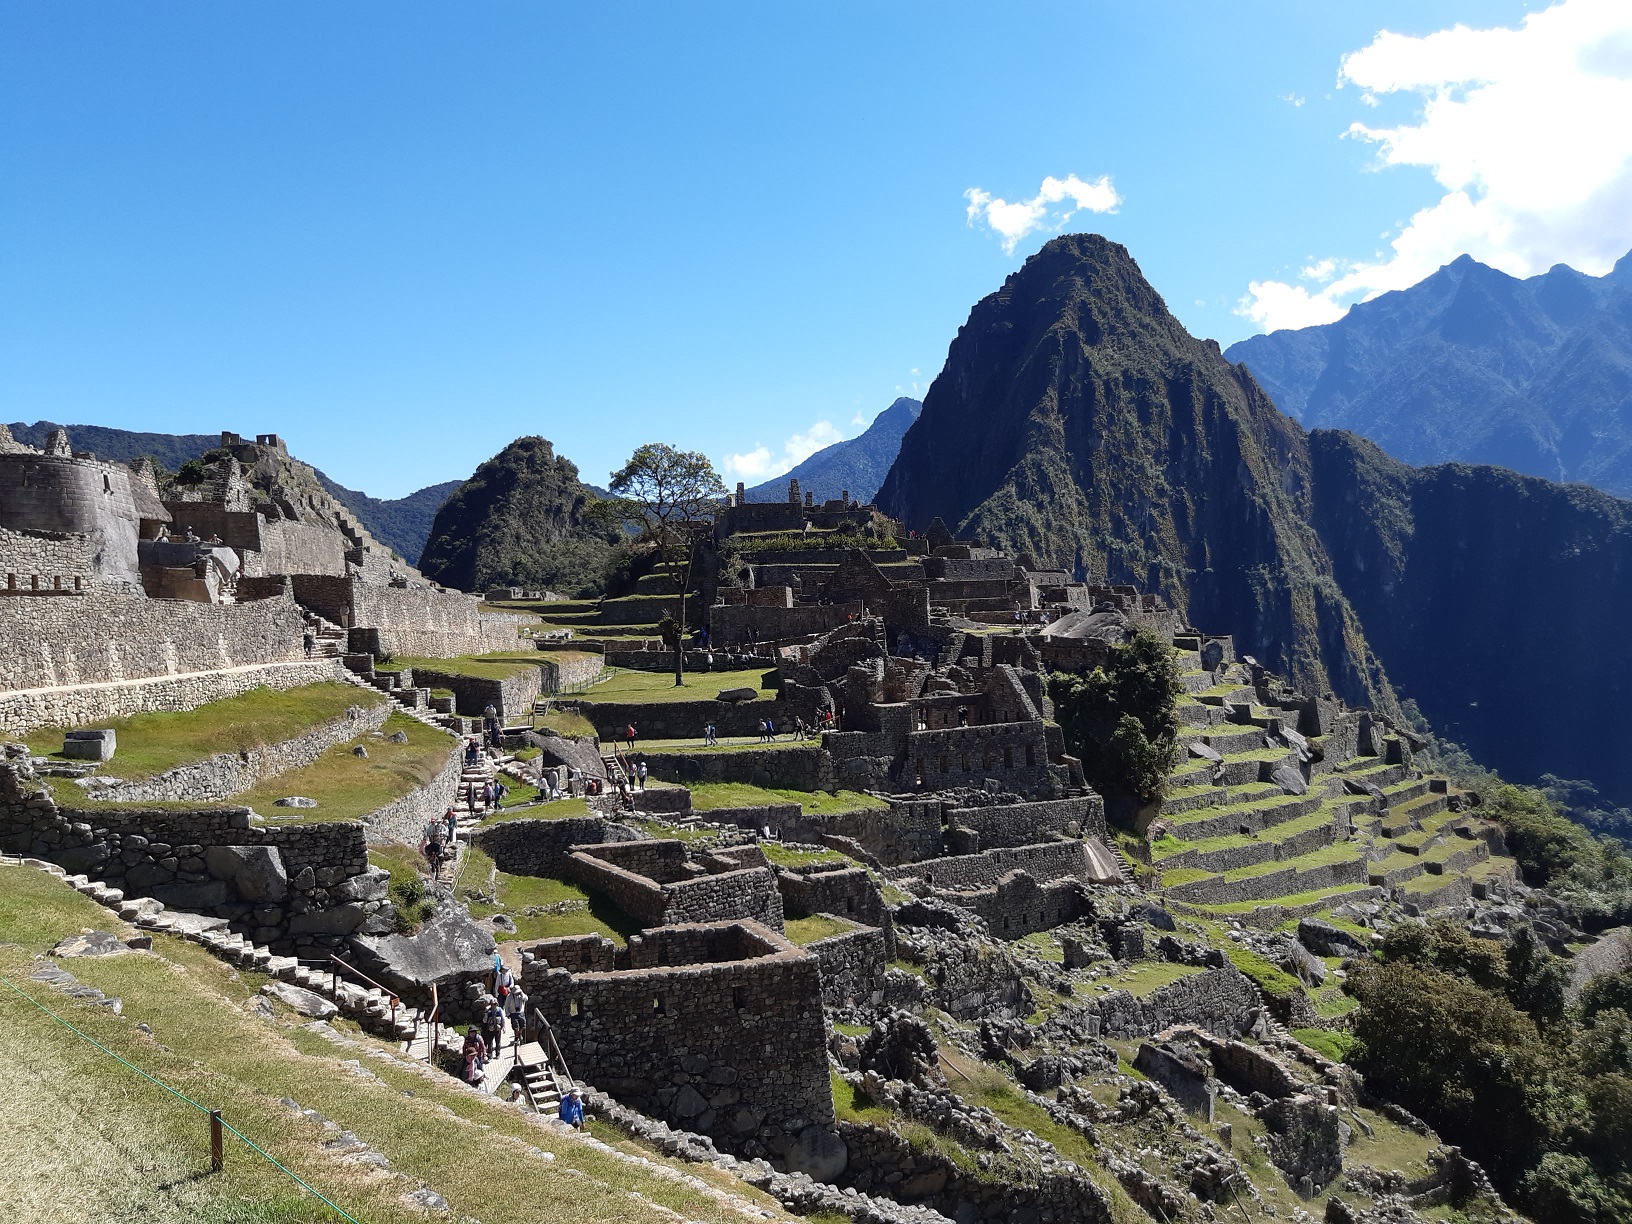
[
  {"x": 515, "y": 1007},
  {"x": 493, "y": 1027}
]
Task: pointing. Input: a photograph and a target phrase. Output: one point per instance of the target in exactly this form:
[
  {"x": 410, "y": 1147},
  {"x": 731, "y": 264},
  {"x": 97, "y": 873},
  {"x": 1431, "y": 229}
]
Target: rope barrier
[{"x": 248, "y": 1142}]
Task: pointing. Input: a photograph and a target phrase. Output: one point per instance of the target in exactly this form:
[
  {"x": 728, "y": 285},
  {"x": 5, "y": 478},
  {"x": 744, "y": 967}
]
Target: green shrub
[
  {"x": 1122, "y": 718},
  {"x": 1334, "y": 1045}
]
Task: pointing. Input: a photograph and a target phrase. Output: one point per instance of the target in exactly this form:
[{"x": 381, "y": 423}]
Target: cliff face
[
  {"x": 519, "y": 520},
  {"x": 1499, "y": 602},
  {"x": 1473, "y": 365},
  {"x": 1077, "y": 420},
  {"x": 856, "y": 466}
]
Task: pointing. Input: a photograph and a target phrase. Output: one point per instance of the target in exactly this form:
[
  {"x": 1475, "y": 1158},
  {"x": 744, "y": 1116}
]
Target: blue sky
[{"x": 402, "y": 234}]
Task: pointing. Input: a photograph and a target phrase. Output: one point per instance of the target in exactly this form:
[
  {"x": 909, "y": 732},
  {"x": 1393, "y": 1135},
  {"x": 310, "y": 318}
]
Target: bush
[{"x": 1122, "y": 718}]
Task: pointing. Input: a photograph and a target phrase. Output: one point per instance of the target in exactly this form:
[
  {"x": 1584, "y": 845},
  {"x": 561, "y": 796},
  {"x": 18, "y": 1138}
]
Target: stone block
[{"x": 89, "y": 745}]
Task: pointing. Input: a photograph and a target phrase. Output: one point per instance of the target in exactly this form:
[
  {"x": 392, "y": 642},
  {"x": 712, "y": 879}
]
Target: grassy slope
[
  {"x": 135, "y": 1152},
  {"x": 347, "y": 786},
  {"x": 149, "y": 744},
  {"x": 710, "y": 796},
  {"x": 514, "y": 894}
]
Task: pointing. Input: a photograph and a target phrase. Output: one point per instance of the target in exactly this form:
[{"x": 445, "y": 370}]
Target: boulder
[
  {"x": 302, "y": 1001},
  {"x": 737, "y": 695},
  {"x": 1324, "y": 939},
  {"x": 1290, "y": 780},
  {"x": 398, "y": 737},
  {"x": 92, "y": 943},
  {"x": 192, "y": 896},
  {"x": 450, "y": 948},
  {"x": 360, "y": 751},
  {"x": 295, "y": 801},
  {"x": 818, "y": 1152},
  {"x": 1205, "y": 752},
  {"x": 256, "y": 872}
]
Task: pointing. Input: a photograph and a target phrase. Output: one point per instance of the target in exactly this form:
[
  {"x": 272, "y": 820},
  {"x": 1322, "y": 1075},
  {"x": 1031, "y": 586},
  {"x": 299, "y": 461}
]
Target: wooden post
[{"x": 215, "y": 1141}]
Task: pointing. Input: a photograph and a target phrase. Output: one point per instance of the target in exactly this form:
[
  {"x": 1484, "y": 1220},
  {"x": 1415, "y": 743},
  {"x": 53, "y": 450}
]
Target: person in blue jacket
[{"x": 572, "y": 1110}]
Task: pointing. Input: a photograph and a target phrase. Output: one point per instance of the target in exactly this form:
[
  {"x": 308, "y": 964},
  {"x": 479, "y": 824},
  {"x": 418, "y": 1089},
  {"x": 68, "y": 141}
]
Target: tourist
[
  {"x": 434, "y": 854},
  {"x": 452, "y": 821},
  {"x": 493, "y": 1027},
  {"x": 963, "y": 716},
  {"x": 573, "y": 776},
  {"x": 308, "y": 641},
  {"x": 473, "y": 1068},
  {"x": 640, "y": 776},
  {"x": 709, "y": 739},
  {"x": 629, "y": 736},
  {"x": 515, "y": 1007},
  {"x": 572, "y": 1110}
]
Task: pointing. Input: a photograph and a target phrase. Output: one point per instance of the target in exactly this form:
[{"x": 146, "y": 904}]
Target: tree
[
  {"x": 671, "y": 491},
  {"x": 1121, "y": 718}
]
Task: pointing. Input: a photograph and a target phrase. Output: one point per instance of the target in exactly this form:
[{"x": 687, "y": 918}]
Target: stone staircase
[{"x": 369, "y": 1006}]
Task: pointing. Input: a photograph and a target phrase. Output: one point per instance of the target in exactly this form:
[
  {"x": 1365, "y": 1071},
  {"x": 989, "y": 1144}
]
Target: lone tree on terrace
[{"x": 671, "y": 491}]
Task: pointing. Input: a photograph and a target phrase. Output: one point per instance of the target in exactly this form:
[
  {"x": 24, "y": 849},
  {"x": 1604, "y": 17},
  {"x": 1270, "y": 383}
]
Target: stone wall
[
  {"x": 731, "y": 622},
  {"x": 1222, "y": 1001},
  {"x": 512, "y": 697},
  {"x": 1017, "y": 904},
  {"x": 231, "y": 773},
  {"x": 539, "y": 847},
  {"x": 682, "y": 719},
  {"x": 794, "y": 768},
  {"x": 1288, "y": 881},
  {"x": 1025, "y": 824},
  {"x": 59, "y": 496},
  {"x": 300, "y": 888},
  {"x": 101, "y": 702},
  {"x": 735, "y": 1050},
  {"x": 404, "y": 819},
  {"x": 1047, "y": 861},
  {"x": 562, "y": 672},
  {"x": 424, "y": 621},
  {"x": 823, "y": 888},
  {"x": 750, "y": 892},
  {"x": 853, "y": 965},
  {"x": 41, "y": 561},
  {"x": 106, "y": 635}
]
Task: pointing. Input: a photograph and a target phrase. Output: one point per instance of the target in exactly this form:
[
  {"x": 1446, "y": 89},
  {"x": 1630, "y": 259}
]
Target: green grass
[
  {"x": 1268, "y": 978},
  {"x": 1288, "y": 902},
  {"x": 569, "y": 723},
  {"x": 804, "y": 931},
  {"x": 1333, "y": 1045},
  {"x": 513, "y": 895},
  {"x": 137, "y": 1152},
  {"x": 150, "y": 744},
  {"x": 1044, "y": 945},
  {"x": 783, "y": 856},
  {"x": 347, "y": 787},
  {"x": 1274, "y": 834},
  {"x": 852, "y": 1105},
  {"x": 1337, "y": 852},
  {"x": 558, "y": 810},
  {"x": 1185, "y": 875},
  {"x": 631, "y": 686},
  {"x": 407, "y": 888},
  {"x": 712, "y": 796},
  {"x": 1148, "y": 976}
]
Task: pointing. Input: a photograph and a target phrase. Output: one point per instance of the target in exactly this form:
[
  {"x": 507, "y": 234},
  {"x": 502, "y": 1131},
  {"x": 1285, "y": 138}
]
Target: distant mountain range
[
  {"x": 1076, "y": 420},
  {"x": 402, "y": 523},
  {"x": 1476, "y": 366},
  {"x": 857, "y": 465}
]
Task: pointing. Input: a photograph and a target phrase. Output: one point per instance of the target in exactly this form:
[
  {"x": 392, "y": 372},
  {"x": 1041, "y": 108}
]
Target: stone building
[{"x": 716, "y": 1027}]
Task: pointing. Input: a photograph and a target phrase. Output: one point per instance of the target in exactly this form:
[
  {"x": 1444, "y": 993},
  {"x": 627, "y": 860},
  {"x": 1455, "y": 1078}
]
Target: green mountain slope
[
  {"x": 1077, "y": 420},
  {"x": 519, "y": 520}
]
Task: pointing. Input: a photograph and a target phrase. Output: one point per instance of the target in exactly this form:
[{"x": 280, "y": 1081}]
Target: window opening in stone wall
[
  {"x": 657, "y": 1005},
  {"x": 1031, "y": 758},
  {"x": 572, "y": 1007},
  {"x": 966, "y": 758},
  {"x": 737, "y": 1000},
  {"x": 1008, "y": 758},
  {"x": 107, "y": 485}
]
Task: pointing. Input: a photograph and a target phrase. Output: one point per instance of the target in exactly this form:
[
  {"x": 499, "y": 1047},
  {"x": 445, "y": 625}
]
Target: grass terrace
[
  {"x": 348, "y": 787},
  {"x": 642, "y": 686},
  {"x": 711, "y": 796},
  {"x": 558, "y": 810},
  {"x": 804, "y": 931},
  {"x": 137, "y": 1152},
  {"x": 542, "y": 907},
  {"x": 150, "y": 744}
]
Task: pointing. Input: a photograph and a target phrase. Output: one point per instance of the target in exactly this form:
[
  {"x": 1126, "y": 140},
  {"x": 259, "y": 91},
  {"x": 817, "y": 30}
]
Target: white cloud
[
  {"x": 1525, "y": 130},
  {"x": 759, "y": 464},
  {"x": 1013, "y": 221},
  {"x": 1294, "y": 100}
]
